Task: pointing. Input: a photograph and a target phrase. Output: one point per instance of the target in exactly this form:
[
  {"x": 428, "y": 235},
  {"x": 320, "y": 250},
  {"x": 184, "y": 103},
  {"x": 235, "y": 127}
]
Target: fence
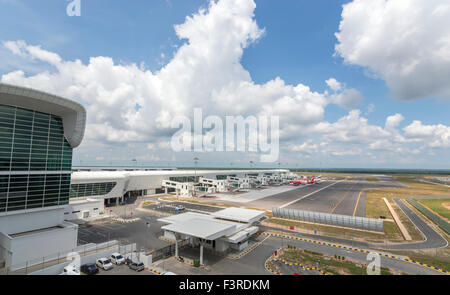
[
  {"x": 167, "y": 251},
  {"x": 330, "y": 219}
]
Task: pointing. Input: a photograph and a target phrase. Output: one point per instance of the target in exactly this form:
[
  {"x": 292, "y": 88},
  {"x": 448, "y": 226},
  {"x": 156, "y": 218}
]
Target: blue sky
[{"x": 298, "y": 46}]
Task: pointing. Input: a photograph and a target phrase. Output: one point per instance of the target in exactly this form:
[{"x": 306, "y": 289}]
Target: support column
[
  {"x": 166, "y": 190},
  {"x": 117, "y": 201},
  {"x": 176, "y": 246},
  {"x": 201, "y": 254}
]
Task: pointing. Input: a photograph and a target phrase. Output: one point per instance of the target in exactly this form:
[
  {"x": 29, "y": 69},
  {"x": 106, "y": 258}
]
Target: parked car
[
  {"x": 179, "y": 208},
  {"x": 117, "y": 258},
  {"x": 70, "y": 270},
  {"x": 136, "y": 266},
  {"x": 89, "y": 269},
  {"x": 104, "y": 263}
]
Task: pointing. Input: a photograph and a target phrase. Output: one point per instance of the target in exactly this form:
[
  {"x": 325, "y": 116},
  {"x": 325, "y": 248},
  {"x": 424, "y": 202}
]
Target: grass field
[
  {"x": 439, "y": 258},
  {"x": 375, "y": 206},
  {"x": 439, "y": 206},
  {"x": 390, "y": 232},
  {"x": 329, "y": 264},
  {"x": 371, "y": 178}
]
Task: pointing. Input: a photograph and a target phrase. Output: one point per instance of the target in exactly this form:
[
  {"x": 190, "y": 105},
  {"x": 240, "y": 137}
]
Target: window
[
  {"x": 33, "y": 141},
  {"x": 91, "y": 189}
]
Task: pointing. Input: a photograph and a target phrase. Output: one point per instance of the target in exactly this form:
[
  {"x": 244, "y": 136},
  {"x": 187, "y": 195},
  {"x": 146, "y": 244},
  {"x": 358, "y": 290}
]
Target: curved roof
[{"x": 73, "y": 114}]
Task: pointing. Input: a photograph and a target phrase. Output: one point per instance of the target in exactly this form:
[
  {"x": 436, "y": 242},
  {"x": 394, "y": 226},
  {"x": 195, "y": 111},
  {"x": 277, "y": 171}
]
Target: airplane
[{"x": 303, "y": 180}]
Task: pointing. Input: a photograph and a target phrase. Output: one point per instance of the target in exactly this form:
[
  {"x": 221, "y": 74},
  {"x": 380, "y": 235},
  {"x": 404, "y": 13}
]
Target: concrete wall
[
  {"x": 93, "y": 206},
  {"x": 32, "y": 248},
  {"x": 23, "y": 221}
]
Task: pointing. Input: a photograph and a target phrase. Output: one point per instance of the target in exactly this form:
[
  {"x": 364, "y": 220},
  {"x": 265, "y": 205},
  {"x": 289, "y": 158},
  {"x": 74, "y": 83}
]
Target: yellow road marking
[
  {"x": 357, "y": 201},
  {"x": 346, "y": 193},
  {"x": 365, "y": 251}
]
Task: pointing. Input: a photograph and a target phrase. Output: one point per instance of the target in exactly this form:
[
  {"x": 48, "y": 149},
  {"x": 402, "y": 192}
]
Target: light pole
[
  {"x": 195, "y": 172},
  {"x": 148, "y": 227}
]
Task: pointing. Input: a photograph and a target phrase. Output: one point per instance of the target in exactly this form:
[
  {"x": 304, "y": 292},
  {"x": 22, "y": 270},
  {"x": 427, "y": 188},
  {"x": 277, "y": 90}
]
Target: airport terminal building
[{"x": 38, "y": 132}]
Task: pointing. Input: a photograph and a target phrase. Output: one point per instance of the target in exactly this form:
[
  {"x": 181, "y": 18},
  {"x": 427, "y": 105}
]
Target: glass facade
[
  {"x": 91, "y": 189},
  {"x": 35, "y": 160},
  {"x": 224, "y": 176},
  {"x": 185, "y": 178}
]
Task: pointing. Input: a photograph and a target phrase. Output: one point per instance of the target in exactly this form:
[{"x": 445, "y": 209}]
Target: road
[
  {"x": 432, "y": 238},
  {"x": 396, "y": 264}
]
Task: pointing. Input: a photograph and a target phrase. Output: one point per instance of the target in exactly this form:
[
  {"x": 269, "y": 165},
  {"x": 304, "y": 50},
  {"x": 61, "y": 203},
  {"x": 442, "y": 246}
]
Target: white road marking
[{"x": 292, "y": 202}]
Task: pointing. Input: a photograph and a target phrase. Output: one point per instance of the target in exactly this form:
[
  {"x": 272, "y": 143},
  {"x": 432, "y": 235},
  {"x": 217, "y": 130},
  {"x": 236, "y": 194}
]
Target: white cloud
[
  {"x": 393, "y": 121},
  {"x": 351, "y": 129},
  {"x": 342, "y": 96},
  {"x": 308, "y": 147},
  {"x": 405, "y": 42},
  {"x": 436, "y": 136},
  {"x": 334, "y": 84},
  {"x": 204, "y": 72}
]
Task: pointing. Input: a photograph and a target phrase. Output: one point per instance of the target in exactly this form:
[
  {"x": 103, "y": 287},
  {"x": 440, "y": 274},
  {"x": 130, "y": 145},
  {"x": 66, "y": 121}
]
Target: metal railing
[
  {"x": 330, "y": 219},
  {"x": 34, "y": 265},
  {"x": 167, "y": 251}
]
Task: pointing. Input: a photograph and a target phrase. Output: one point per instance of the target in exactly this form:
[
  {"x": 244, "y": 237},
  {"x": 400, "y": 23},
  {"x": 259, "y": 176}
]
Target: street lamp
[
  {"x": 195, "y": 171},
  {"x": 195, "y": 162},
  {"x": 148, "y": 227}
]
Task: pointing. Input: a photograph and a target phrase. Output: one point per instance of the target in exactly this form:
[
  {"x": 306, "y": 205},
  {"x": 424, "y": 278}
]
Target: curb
[
  {"x": 121, "y": 220},
  {"x": 300, "y": 265},
  {"x": 155, "y": 271},
  {"x": 357, "y": 250},
  {"x": 266, "y": 266}
]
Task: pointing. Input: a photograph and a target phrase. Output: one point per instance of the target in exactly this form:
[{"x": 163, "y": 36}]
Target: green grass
[
  {"x": 437, "y": 206},
  {"x": 375, "y": 206},
  {"x": 390, "y": 230},
  {"x": 439, "y": 258},
  {"x": 332, "y": 266},
  {"x": 372, "y": 179}
]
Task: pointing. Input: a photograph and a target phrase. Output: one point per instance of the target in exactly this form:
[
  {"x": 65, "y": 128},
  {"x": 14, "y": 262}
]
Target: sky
[{"x": 355, "y": 84}]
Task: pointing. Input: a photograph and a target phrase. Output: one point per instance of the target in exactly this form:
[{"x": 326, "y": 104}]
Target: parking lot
[
  {"x": 171, "y": 207},
  {"x": 146, "y": 237},
  {"x": 123, "y": 270}
]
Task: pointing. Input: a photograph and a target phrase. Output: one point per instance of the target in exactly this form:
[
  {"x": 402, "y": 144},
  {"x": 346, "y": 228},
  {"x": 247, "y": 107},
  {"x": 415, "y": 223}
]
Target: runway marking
[
  {"x": 343, "y": 198},
  {"x": 357, "y": 201},
  {"x": 294, "y": 201}
]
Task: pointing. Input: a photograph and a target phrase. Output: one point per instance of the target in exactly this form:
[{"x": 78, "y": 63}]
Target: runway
[{"x": 334, "y": 197}]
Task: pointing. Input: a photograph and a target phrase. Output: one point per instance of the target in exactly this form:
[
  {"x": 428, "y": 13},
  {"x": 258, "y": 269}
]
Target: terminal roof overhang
[
  {"x": 88, "y": 175},
  {"x": 239, "y": 214},
  {"x": 201, "y": 228},
  {"x": 72, "y": 114},
  {"x": 209, "y": 227}
]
